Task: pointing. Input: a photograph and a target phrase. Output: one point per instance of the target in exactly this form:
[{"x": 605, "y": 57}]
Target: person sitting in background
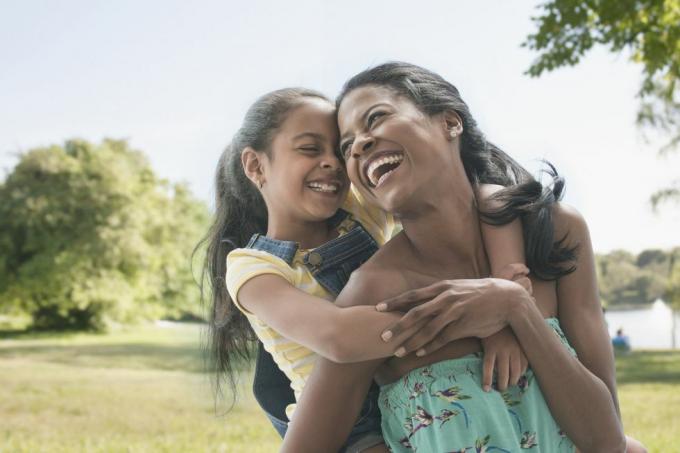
[{"x": 621, "y": 342}]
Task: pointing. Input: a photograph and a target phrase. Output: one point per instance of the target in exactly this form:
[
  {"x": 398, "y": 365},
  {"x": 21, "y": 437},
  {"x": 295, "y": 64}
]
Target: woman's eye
[
  {"x": 309, "y": 149},
  {"x": 374, "y": 116},
  {"x": 345, "y": 149}
]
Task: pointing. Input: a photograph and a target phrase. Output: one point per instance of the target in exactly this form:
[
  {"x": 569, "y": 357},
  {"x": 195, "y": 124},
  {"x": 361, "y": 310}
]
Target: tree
[
  {"x": 629, "y": 280},
  {"x": 88, "y": 234},
  {"x": 648, "y": 29}
]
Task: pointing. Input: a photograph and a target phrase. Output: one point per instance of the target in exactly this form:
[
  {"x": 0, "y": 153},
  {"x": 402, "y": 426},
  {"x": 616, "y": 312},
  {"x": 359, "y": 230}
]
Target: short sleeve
[
  {"x": 244, "y": 264},
  {"x": 380, "y": 224}
]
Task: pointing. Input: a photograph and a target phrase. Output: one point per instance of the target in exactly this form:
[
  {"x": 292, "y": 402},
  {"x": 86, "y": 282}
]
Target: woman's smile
[{"x": 380, "y": 165}]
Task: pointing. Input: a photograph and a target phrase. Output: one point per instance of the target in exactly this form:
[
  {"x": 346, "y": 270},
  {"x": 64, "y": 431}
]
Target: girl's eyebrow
[{"x": 309, "y": 134}]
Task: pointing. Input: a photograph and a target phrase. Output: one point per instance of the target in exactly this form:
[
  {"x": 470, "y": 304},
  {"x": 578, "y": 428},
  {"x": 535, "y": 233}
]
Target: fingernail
[
  {"x": 420, "y": 353},
  {"x": 487, "y": 388},
  {"x": 386, "y": 335},
  {"x": 381, "y": 307},
  {"x": 400, "y": 352}
]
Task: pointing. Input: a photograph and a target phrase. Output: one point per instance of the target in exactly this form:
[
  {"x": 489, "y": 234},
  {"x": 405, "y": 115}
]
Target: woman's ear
[
  {"x": 253, "y": 167},
  {"x": 453, "y": 124}
]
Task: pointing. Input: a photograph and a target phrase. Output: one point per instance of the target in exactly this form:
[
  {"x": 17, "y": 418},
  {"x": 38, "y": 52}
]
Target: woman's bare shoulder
[
  {"x": 377, "y": 279},
  {"x": 569, "y": 223}
]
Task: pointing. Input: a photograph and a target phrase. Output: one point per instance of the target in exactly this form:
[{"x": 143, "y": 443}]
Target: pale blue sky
[{"x": 175, "y": 78}]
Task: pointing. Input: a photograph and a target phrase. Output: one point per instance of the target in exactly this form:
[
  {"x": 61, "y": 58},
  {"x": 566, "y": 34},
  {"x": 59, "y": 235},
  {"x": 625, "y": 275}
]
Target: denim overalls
[{"x": 331, "y": 265}]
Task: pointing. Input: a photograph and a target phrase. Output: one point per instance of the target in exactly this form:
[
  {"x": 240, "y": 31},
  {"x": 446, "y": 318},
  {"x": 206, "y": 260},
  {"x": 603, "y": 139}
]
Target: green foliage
[
  {"x": 648, "y": 29},
  {"x": 625, "y": 279},
  {"x": 88, "y": 234}
]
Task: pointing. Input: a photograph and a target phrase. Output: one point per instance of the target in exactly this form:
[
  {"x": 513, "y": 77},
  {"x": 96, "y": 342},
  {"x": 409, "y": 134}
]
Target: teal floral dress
[{"x": 442, "y": 408}]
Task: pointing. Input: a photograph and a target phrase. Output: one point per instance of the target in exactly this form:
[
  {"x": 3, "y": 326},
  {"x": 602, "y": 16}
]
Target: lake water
[{"x": 648, "y": 328}]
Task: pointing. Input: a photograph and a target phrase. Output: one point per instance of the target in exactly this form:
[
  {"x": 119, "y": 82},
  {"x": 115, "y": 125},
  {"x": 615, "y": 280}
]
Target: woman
[{"x": 406, "y": 111}]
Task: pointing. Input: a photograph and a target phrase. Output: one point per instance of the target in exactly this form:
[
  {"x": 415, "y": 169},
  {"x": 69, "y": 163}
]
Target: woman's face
[{"x": 392, "y": 150}]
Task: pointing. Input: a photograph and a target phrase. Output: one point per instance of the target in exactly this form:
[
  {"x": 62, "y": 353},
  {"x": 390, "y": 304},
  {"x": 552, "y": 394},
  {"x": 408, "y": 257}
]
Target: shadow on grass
[
  {"x": 36, "y": 334},
  {"x": 648, "y": 367},
  {"x": 126, "y": 355}
]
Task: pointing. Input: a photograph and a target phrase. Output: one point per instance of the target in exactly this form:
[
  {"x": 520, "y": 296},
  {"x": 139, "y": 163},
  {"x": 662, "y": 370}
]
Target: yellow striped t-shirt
[{"x": 295, "y": 360}]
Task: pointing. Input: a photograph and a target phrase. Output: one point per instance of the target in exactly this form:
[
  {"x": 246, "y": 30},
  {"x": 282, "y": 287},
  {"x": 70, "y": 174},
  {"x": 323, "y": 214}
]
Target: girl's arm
[
  {"x": 504, "y": 245},
  {"x": 340, "y": 334}
]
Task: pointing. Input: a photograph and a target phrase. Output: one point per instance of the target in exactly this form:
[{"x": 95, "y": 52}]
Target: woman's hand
[
  {"x": 503, "y": 351},
  {"x": 455, "y": 309}
]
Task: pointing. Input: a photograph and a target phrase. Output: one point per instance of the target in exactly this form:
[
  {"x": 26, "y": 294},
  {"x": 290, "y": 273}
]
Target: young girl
[{"x": 280, "y": 189}]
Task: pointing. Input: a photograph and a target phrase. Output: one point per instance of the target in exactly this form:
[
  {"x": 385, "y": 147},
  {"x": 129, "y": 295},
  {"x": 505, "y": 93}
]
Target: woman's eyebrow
[{"x": 363, "y": 118}]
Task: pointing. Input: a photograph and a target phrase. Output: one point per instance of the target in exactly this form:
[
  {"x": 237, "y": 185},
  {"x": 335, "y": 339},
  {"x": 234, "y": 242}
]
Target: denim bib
[{"x": 331, "y": 265}]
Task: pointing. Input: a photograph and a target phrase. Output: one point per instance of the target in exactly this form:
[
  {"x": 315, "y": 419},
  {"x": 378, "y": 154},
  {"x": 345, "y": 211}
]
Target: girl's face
[
  {"x": 305, "y": 180},
  {"x": 392, "y": 150}
]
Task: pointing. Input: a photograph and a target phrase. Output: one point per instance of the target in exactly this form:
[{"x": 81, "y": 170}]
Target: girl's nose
[{"x": 331, "y": 162}]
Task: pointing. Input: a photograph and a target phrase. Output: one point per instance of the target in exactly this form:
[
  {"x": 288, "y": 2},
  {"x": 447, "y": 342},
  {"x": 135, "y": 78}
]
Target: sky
[{"x": 175, "y": 79}]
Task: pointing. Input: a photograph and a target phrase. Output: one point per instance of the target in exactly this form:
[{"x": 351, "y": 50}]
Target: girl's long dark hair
[
  {"x": 240, "y": 212},
  {"x": 523, "y": 196}
]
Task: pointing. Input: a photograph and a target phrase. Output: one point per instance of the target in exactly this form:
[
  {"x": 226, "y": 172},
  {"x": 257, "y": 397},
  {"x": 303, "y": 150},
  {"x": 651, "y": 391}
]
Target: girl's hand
[
  {"x": 503, "y": 350},
  {"x": 453, "y": 309},
  {"x": 518, "y": 273}
]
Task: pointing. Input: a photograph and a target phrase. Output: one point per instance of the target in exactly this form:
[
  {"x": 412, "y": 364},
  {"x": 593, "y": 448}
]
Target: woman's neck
[{"x": 445, "y": 234}]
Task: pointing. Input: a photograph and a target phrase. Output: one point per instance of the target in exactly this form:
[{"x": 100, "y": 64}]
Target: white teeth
[
  {"x": 370, "y": 172},
  {"x": 323, "y": 187},
  {"x": 383, "y": 177}
]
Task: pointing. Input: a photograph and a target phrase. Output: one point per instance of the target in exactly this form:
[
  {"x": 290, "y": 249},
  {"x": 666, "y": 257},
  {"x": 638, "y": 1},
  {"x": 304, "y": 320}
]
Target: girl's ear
[
  {"x": 453, "y": 124},
  {"x": 252, "y": 162}
]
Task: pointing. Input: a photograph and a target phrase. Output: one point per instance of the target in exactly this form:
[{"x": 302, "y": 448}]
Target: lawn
[
  {"x": 139, "y": 390},
  {"x": 143, "y": 390}
]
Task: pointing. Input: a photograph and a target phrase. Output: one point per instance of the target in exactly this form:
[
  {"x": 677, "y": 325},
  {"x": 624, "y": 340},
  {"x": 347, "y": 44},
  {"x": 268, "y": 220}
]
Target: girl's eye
[
  {"x": 374, "y": 116},
  {"x": 309, "y": 149}
]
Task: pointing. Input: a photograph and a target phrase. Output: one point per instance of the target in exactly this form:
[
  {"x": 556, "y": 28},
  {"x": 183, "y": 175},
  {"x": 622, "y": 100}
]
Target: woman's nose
[{"x": 362, "y": 146}]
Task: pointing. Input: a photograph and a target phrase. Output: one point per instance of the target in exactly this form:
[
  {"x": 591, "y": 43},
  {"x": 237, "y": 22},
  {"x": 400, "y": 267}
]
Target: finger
[
  {"x": 525, "y": 283},
  {"x": 410, "y": 319},
  {"x": 503, "y": 372},
  {"x": 524, "y": 364},
  {"x": 513, "y": 271},
  {"x": 487, "y": 370},
  {"x": 425, "y": 310},
  {"x": 446, "y": 336},
  {"x": 515, "y": 370},
  {"x": 518, "y": 269},
  {"x": 433, "y": 326},
  {"x": 411, "y": 298}
]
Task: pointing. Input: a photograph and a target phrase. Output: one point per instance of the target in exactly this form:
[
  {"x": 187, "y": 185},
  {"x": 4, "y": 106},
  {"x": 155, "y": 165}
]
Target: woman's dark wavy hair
[
  {"x": 523, "y": 196},
  {"x": 240, "y": 212}
]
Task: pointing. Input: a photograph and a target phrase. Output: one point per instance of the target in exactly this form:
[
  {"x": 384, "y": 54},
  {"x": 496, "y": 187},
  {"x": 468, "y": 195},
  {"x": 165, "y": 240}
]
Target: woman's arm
[
  {"x": 329, "y": 406},
  {"x": 580, "y": 311},
  {"x": 504, "y": 246},
  {"x": 341, "y": 334},
  {"x": 579, "y": 401},
  {"x": 333, "y": 395}
]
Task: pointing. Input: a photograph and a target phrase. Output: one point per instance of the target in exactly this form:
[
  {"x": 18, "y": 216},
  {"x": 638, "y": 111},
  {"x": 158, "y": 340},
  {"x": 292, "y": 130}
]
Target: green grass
[
  {"x": 142, "y": 389},
  {"x": 649, "y": 395},
  {"x": 138, "y": 390}
]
